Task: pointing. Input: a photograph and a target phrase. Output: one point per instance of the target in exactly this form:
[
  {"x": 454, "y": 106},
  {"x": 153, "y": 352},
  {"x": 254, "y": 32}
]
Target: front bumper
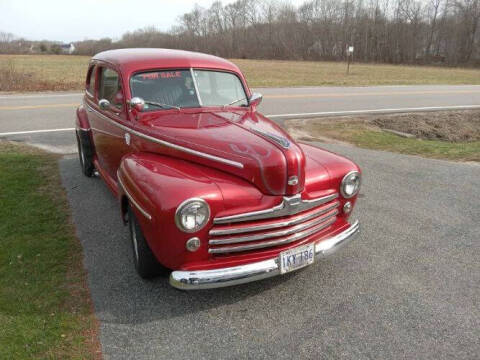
[{"x": 209, "y": 279}]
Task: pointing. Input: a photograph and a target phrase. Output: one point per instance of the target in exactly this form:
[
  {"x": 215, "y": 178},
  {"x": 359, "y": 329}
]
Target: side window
[
  {"x": 91, "y": 80},
  {"x": 110, "y": 87}
]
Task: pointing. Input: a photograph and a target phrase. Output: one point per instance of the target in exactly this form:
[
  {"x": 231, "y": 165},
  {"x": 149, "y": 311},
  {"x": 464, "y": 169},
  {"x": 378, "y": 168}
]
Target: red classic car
[{"x": 208, "y": 186}]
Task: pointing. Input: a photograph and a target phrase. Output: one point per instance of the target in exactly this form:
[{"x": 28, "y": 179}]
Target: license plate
[{"x": 297, "y": 258}]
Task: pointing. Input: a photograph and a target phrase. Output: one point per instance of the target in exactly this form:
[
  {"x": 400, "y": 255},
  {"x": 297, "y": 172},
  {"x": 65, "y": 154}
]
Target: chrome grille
[{"x": 275, "y": 226}]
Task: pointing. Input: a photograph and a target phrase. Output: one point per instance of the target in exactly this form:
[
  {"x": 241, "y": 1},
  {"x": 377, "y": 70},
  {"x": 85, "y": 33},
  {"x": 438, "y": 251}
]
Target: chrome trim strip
[
  {"x": 107, "y": 133},
  {"x": 289, "y": 222},
  {"x": 268, "y": 235},
  {"x": 130, "y": 197},
  {"x": 171, "y": 145},
  {"x": 82, "y": 129},
  {"x": 298, "y": 236},
  {"x": 209, "y": 279},
  {"x": 196, "y": 87},
  {"x": 279, "y": 140},
  {"x": 289, "y": 206}
]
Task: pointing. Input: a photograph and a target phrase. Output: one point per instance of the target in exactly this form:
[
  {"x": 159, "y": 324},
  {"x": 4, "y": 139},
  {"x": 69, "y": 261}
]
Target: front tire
[
  {"x": 85, "y": 157},
  {"x": 145, "y": 262}
]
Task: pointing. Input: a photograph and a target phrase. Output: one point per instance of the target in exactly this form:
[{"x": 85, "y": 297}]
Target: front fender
[{"x": 155, "y": 185}]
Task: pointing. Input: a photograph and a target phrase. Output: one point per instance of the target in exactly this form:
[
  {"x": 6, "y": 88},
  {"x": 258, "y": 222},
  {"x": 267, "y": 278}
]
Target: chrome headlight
[
  {"x": 350, "y": 184},
  {"x": 192, "y": 215}
]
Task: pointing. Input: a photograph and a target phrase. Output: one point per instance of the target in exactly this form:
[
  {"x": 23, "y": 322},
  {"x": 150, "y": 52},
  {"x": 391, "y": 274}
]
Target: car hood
[{"x": 243, "y": 143}]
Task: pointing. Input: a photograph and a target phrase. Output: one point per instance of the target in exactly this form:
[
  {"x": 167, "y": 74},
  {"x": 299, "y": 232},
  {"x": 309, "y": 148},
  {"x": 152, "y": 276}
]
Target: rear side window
[
  {"x": 110, "y": 87},
  {"x": 91, "y": 81}
]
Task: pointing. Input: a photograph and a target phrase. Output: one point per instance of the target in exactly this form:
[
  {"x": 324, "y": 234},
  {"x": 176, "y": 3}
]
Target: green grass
[
  {"x": 44, "y": 305},
  {"x": 369, "y": 138},
  {"x": 65, "y": 72},
  {"x": 429, "y": 148}
]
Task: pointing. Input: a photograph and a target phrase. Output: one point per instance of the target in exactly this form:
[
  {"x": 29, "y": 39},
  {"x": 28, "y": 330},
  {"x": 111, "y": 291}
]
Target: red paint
[{"x": 161, "y": 177}]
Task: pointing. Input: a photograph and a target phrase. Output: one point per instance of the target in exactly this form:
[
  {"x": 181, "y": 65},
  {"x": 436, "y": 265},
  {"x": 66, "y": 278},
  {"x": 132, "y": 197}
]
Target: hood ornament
[
  {"x": 293, "y": 180},
  {"x": 280, "y": 140}
]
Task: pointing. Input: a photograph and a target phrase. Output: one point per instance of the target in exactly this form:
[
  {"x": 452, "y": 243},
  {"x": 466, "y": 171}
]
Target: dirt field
[
  {"x": 453, "y": 135},
  {"x": 64, "y": 72},
  {"x": 451, "y": 126}
]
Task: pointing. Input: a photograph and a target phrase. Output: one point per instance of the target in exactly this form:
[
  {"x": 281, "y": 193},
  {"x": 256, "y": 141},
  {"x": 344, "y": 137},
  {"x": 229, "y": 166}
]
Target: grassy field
[
  {"x": 63, "y": 72},
  {"x": 45, "y": 311},
  {"x": 42, "y": 72},
  {"x": 265, "y": 73},
  {"x": 430, "y": 141}
]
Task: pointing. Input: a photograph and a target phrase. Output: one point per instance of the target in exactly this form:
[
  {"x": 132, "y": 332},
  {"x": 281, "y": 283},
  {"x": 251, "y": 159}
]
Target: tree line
[{"x": 387, "y": 31}]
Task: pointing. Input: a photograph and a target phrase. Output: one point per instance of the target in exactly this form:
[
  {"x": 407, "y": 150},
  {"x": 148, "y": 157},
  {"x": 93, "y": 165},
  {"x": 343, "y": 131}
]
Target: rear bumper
[{"x": 209, "y": 279}]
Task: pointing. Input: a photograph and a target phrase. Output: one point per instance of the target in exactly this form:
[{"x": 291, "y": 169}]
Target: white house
[{"x": 67, "y": 48}]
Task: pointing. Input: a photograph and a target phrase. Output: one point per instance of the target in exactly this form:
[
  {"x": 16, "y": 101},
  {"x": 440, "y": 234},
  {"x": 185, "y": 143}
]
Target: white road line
[
  {"x": 323, "y": 113},
  {"x": 322, "y": 88},
  {"x": 35, "y": 131},
  {"x": 342, "y": 89},
  {"x": 369, "y": 111},
  {"x": 39, "y": 96}
]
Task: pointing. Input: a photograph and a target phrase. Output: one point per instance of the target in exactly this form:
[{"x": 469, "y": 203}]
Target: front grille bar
[
  {"x": 288, "y": 222},
  {"x": 268, "y": 235},
  {"x": 289, "y": 206},
  {"x": 298, "y": 236}
]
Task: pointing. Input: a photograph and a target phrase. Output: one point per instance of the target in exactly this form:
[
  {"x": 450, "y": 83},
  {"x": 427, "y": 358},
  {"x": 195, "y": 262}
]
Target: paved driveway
[{"x": 408, "y": 288}]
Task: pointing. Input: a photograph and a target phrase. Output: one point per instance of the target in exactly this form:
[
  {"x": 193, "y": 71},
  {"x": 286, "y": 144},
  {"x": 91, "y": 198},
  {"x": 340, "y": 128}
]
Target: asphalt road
[
  {"x": 50, "y": 111},
  {"x": 407, "y": 288}
]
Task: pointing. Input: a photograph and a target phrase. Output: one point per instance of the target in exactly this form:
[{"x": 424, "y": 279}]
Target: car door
[{"x": 109, "y": 122}]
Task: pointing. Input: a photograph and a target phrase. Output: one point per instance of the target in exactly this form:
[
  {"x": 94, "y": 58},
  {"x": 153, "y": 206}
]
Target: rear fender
[
  {"x": 84, "y": 132},
  {"x": 81, "y": 120}
]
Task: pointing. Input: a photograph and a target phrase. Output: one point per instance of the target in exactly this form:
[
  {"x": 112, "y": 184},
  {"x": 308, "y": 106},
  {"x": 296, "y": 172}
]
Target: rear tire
[
  {"x": 86, "y": 157},
  {"x": 145, "y": 262}
]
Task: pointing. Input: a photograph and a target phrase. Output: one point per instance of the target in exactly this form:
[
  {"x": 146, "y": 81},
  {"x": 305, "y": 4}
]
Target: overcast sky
[{"x": 74, "y": 20}]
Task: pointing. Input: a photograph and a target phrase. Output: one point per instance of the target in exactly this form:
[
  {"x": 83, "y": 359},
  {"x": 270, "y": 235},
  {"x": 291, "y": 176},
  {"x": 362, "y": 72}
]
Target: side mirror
[
  {"x": 137, "y": 103},
  {"x": 255, "y": 99},
  {"x": 104, "y": 104}
]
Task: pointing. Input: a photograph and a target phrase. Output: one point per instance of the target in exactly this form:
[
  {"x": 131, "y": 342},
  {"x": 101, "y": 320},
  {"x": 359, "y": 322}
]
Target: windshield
[{"x": 166, "y": 89}]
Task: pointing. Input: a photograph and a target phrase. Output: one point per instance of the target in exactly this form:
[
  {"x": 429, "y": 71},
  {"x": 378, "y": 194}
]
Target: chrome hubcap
[
  {"x": 134, "y": 238},
  {"x": 82, "y": 156}
]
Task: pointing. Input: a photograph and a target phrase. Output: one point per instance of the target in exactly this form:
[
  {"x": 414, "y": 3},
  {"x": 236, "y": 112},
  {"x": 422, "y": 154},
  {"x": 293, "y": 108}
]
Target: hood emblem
[
  {"x": 280, "y": 140},
  {"x": 293, "y": 180}
]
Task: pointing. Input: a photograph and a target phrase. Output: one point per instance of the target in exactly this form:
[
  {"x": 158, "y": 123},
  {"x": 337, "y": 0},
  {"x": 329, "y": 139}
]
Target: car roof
[{"x": 132, "y": 60}]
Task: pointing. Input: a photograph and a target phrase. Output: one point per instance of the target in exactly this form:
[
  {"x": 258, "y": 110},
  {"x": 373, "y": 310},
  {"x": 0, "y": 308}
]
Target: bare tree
[{"x": 390, "y": 31}]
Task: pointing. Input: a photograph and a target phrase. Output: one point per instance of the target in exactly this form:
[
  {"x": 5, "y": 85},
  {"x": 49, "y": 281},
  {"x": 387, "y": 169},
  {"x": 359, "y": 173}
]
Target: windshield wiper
[
  {"x": 163, "y": 106},
  {"x": 233, "y": 102}
]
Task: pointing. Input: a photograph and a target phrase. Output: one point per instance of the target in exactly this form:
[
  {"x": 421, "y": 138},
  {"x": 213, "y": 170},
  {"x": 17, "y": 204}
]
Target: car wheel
[
  {"x": 85, "y": 157},
  {"x": 145, "y": 262}
]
